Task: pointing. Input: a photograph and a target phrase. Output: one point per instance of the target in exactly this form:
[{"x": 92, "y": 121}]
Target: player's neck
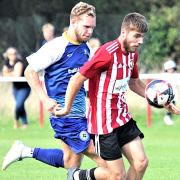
[
  {"x": 71, "y": 36},
  {"x": 123, "y": 49}
]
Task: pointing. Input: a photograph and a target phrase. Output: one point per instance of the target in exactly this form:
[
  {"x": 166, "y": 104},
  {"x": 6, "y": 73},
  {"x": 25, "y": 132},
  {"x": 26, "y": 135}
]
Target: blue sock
[{"x": 53, "y": 157}]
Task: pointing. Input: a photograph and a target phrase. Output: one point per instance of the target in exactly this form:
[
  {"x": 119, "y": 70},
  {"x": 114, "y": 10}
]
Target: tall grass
[{"x": 161, "y": 142}]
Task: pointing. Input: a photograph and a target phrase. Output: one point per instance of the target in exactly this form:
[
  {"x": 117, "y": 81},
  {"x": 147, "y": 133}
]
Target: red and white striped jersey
[{"x": 109, "y": 72}]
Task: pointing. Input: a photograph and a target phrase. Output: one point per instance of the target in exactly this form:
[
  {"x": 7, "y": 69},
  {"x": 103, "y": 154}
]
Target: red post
[
  {"x": 41, "y": 112},
  {"x": 149, "y": 112}
]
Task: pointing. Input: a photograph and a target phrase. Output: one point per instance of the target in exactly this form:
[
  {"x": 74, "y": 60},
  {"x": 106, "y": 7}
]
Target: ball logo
[
  {"x": 84, "y": 136},
  {"x": 159, "y": 93}
]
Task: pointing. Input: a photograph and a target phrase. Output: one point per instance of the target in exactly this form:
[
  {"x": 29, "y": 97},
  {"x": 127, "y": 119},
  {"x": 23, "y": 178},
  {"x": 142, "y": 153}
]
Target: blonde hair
[
  {"x": 47, "y": 26},
  {"x": 8, "y": 51},
  {"x": 82, "y": 8},
  {"x": 135, "y": 21}
]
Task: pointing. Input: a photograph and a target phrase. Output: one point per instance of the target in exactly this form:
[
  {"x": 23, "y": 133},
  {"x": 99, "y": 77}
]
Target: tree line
[{"x": 21, "y": 22}]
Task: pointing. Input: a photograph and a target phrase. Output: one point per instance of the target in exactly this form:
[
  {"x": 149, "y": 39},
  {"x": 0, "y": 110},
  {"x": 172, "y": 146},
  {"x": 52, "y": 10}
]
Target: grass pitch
[{"x": 161, "y": 142}]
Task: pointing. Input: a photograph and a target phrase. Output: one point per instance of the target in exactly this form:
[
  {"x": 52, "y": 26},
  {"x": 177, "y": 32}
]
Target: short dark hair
[{"x": 135, "y": 21}]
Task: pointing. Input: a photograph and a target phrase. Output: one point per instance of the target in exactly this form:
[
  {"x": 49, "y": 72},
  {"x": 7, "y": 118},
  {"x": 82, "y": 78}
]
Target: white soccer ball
[{"x": 159, "y": 93}]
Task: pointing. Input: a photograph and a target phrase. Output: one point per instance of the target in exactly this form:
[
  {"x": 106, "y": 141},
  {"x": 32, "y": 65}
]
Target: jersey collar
[{"x": 69, "y": 39}]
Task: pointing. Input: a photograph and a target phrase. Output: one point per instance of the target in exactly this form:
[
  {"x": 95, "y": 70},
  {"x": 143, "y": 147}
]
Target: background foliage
[{"x": 21, "y": 21}]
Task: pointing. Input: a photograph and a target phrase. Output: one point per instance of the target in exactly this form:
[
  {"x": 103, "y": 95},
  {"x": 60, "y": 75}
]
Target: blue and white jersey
[{"x": 61, "y": 58}]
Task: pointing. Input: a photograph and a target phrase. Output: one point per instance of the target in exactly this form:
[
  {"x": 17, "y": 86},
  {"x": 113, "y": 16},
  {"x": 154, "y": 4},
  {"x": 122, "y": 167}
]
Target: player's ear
[
  {"x": 73, "y": 20},
  {"x": 123, "y": 33}
]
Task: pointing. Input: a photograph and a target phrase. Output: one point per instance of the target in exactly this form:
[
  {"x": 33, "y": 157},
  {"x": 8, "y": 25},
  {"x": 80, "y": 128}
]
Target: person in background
[
  {"x": 170, "y": 68},
  {"x": 14, "y": 66},
  {"x": 48, "y": 31},
  {"x": 94, "y": 44}
]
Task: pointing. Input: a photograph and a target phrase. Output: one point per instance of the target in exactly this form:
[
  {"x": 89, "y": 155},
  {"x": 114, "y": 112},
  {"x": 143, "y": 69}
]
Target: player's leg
[
  {"x": 98, "y": 173},
  {"x": 90, "y": 152},
  {"x": 129, "y": 138},
  {"x": 19, "y": 151},
  {"x": 71, "y": 159},
  {"x": 107, "y": 147},
  {"x": 134, "y": 152}
]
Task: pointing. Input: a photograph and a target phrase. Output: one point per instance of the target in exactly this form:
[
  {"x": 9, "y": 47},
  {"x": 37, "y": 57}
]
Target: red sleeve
[
  {"x": 135, "y": 73},
  {"x": 99, "y": 62}
]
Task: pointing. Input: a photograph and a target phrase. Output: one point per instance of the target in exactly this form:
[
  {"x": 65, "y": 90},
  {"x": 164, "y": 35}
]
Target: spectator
[
  {"x": 94, "y": 44},
  {"x": 48, "y": 33},
  {"x": 170, "y": 68},
  {"x": 14, "y": 67}
]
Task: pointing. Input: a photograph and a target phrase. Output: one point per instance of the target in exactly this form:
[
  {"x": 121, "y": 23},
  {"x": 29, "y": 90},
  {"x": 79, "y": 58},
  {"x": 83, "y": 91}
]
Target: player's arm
[
  {"x": 137, "y": 86},
  {"x": 74, "y": 85},
  {"x": 35, "y": 83}
]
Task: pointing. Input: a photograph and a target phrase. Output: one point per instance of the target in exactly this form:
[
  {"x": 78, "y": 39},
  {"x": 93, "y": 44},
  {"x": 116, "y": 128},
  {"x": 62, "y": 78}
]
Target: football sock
[
  {"x": 27, "y": 152},
  {"x": 84, "y": 174},
  {"x": 53, "y": 157}
]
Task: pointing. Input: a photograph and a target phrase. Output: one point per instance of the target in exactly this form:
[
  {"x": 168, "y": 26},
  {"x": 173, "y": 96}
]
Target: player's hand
[
  {"x": 58, "y": 111},
  {"x": 50, "y": 104},
  {"x": 172, "y": 108}
]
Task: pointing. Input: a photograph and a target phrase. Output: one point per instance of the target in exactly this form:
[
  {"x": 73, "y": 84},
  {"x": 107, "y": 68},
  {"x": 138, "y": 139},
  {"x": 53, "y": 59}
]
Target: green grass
[{"x": 162, "y": 145}]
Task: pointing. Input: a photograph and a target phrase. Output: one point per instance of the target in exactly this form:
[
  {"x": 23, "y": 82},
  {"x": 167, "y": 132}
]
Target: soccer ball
[{"x": 159, "y": 93}]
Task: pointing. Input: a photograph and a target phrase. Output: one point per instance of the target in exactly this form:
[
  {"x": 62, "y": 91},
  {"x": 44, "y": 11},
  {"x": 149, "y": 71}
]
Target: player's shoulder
[
  {"x": 111, "y": 46},
  {"x": 59, "y": 40}
]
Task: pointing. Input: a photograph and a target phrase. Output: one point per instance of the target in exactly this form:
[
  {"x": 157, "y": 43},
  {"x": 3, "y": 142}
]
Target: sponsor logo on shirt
[
  {"x": 74, "y": 70},
  {"x": 121, "y": 85}
]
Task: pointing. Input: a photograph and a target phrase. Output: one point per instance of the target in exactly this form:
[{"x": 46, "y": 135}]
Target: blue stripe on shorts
[{"x": 72, "y": 131}]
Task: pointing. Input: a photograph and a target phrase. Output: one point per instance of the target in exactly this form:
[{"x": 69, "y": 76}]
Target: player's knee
[
  {"x": 71, "y": 161},
  {"x": 118, "y": 175},
  {"x": 141, "y": 165}
]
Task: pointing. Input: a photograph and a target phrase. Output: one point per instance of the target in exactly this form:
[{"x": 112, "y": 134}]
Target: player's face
[
  {"x": 133, "y": 39},
  {"x": 84, "y": 27}
]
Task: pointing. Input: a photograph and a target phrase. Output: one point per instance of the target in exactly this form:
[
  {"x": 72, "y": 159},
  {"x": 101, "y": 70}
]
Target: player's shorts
[
  {"x": 72, "y": 131},
  {"x": 108, "y": 146}
]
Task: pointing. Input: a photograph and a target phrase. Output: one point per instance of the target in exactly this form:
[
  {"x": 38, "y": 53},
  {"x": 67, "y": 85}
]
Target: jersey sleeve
[
  {"x": 98, "y": 63},
  {"x": 135, "y": 73},
  {"x": 47, "y": 54}
]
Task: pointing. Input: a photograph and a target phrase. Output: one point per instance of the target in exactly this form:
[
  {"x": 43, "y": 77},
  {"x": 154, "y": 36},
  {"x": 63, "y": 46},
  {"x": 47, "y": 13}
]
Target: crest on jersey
[
  {"x": 131, "y": 63},
  {"x": 84, "y": 136},
  {"x": 86, "y": 52}
]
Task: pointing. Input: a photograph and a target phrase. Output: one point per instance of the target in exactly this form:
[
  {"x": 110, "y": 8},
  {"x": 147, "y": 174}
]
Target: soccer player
[
  {"x": 61, "y": 58},
  {"x": 111, "y": 70}
]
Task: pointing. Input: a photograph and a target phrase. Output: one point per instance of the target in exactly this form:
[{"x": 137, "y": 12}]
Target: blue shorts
[{"x": 72, "y": 131}]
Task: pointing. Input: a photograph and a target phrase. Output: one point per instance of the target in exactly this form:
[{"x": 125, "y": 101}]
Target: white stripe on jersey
[
  {"x": 110, "y": 92},
  {"x": 99, "y": 102},
  {"x": 124, "y": 66},
  {"x": 112, "y": 47}
]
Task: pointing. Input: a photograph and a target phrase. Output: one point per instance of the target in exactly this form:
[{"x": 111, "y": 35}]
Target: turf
[{"x": 162, "y": 145}]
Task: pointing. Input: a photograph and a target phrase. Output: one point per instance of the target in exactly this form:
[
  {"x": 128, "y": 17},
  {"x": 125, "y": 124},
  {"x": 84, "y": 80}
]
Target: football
[{"x": 159, "y": 93}]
